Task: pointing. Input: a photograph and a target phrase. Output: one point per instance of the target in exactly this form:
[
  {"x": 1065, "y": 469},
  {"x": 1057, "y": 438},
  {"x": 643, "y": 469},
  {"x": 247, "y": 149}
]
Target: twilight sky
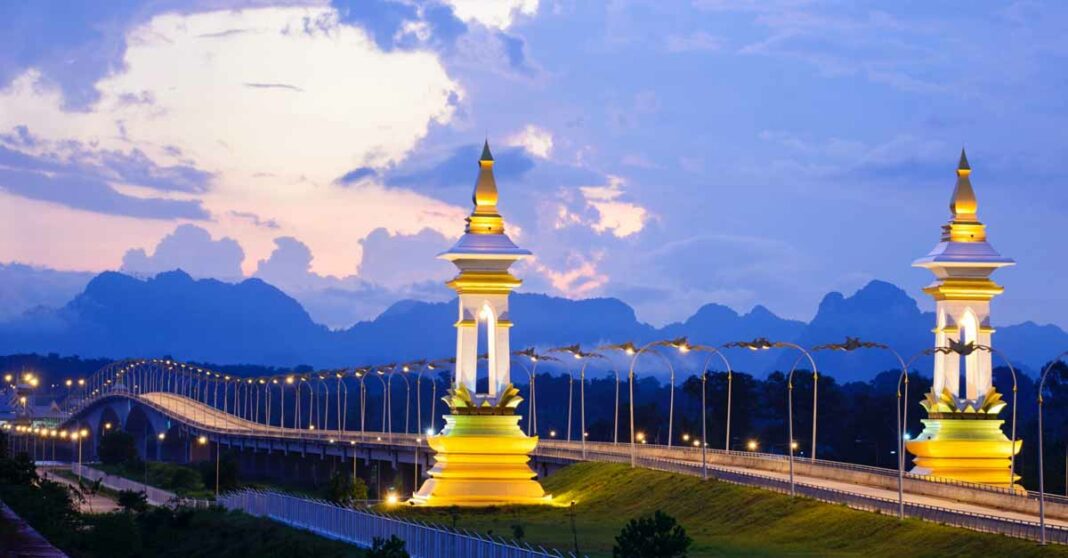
[{"x": 667, "y": 153}]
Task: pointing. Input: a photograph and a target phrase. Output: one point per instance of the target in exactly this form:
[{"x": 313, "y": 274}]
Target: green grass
[
  {"x": 723, "y": 519},
  {"x": 180, "y": 479}
]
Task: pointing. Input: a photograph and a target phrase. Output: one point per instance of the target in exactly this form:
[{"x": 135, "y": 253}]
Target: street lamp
[
  {"x": 853, "y": 343},
  {"x": 578, "y": 354},
  {"x": 1041, "y": 459},
  {"x": 630, "y": 349},
  {"x": 684, "y": 347},
  {"x": 763, "y": 343},
  {"x": 532, "y": 374}
]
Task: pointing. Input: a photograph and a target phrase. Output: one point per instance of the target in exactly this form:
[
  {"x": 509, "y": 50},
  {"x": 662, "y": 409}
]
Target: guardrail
[
  {"x": 361, "y": 527},
  {"x": 154, "y": 496}
]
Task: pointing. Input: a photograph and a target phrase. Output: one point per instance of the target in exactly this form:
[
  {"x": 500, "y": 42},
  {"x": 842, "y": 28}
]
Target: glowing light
[
  {"x": 203, "y": 440},
  {"x": 311, "y": 427},
  {"x": 162, "y": 436},
  {"x": 640, "y": 436},
  {"x": 392, "y": 499},
  {"x": 552, "y": 433},
  {"x": 429, "y": 431},
  {"x": 107, "y": 426},
  {"x": 685, "y": 437},
  {"x": 289, "y": 380},
  {"x": 751, "y": 445},
  {"x": 793, "y": 445}
]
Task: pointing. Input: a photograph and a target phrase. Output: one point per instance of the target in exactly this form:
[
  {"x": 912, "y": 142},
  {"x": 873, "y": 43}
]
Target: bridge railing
[{"x": 361, "y": 527}]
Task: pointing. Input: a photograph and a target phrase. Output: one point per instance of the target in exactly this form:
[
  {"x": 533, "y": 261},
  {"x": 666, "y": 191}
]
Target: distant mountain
[{"x": 253, "y": 322}]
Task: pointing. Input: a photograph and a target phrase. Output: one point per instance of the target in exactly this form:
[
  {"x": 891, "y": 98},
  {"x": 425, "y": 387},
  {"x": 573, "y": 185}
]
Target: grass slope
[{"x": 723, "y": 519}]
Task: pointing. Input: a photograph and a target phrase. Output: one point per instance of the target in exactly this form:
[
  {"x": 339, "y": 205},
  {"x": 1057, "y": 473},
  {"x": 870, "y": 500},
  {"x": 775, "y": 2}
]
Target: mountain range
[{"x": 253, "y": 322}]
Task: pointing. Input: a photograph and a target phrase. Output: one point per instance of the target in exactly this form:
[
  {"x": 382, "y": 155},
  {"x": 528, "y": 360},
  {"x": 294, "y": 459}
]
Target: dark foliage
[
  {"x": 117, "y": 448},
  {"x": 393, "y": 547},
  {"x": 132, "y": 501},
  {"x": 653, "y": 536}
]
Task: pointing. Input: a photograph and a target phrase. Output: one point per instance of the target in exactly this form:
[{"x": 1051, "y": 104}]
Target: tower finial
[
  {"x": 965, "y": 225},
  {"x": 485, "y": 219}
]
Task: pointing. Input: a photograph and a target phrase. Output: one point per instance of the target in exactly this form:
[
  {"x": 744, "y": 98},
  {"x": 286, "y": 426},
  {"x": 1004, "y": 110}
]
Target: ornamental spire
[
  {"x": 965, "y": 225},
  {"x": 485, "y": 219}
]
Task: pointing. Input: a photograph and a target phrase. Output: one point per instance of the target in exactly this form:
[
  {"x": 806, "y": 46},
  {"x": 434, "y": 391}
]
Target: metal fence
[
  {"x": 154, "y": 496},
  {"x": 361, "y": 527}
]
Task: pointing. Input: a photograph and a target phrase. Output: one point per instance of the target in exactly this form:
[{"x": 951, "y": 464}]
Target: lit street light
[{"x": 761, "y": 344}]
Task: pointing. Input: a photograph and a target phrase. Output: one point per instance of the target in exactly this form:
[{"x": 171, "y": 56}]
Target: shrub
[
  {"x": 132, "y": 501},
  {"x": 653, "y": 536},
  {"x": 393, "y": 547}
]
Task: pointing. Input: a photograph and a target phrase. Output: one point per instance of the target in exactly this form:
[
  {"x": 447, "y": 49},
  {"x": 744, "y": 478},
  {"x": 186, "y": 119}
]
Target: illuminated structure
[
  {"x": 482, "y": 454},
  {"x": 962, "y": 437}
]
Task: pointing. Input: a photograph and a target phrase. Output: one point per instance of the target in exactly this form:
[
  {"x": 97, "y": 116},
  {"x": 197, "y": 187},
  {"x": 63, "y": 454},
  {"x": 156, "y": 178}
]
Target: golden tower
[
  {"x": 482, "y": 455},
  {"x": 962, "y": 437}
]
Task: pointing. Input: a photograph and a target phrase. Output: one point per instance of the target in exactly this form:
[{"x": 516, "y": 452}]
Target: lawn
[{"x": 723, "y": 519}]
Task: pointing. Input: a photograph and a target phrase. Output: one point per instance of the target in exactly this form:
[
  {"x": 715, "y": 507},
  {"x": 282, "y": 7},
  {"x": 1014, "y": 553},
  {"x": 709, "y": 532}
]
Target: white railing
[{"x": 361, "y": 527}]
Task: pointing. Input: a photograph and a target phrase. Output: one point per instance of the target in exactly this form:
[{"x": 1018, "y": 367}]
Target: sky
[{"x": 670, "y": 154}]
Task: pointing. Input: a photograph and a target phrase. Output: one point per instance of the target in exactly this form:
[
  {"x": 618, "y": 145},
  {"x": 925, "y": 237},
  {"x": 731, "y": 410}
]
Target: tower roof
[
  {"x": 964, "y": 242},
  {"x": 484, "y": 236}
]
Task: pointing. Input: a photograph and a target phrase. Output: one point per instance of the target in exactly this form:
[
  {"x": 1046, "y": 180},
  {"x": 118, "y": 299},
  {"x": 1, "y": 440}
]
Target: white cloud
[
  {"x": 534, "y": 139},
  {"x": 620, "y": 218},
  {"x": 581, "y": 278},
  {"x": 275, "y": 103},
  {"x": 699, "y": 41},
  {"x": 500, "y": 14}
]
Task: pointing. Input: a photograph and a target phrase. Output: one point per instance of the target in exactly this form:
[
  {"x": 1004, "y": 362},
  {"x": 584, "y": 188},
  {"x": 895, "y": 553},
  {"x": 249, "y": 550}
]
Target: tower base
[
  {"x": 481, "y": 460},
  {"x": 965, "y": 449}
]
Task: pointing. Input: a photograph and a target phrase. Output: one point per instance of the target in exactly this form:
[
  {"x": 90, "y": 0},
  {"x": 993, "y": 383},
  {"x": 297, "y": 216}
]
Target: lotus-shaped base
[
  {"x": 481, "y": 460},
  {"x": 965, "y": 449}
]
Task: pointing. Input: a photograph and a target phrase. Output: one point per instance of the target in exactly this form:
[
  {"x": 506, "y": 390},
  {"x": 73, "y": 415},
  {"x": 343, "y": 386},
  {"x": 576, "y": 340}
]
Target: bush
[
  {"x": 393, "y": 547},
  {"x": 344, "y": 489},
  {"x": 132, "y": 501},
  {"x": 653, "y": 536},
  {"x": 117, "y": 448},
  {"x": 229, "y": 474}
]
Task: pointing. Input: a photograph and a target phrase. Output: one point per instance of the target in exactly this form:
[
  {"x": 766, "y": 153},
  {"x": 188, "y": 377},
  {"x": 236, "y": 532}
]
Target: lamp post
[
  {"x": 683, "y": 346},
  {"x": 576, "y": 352},
  {"x": 851, "y": 344},
  {"x": 761, "y": 344},
  {"x": 629, "y": 348},
  {"x": 532, "y": 374},
  {"x": 1041, "y": 459}
]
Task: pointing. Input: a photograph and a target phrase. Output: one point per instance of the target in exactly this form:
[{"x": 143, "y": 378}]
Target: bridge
[{"x": 181, "y": 412}]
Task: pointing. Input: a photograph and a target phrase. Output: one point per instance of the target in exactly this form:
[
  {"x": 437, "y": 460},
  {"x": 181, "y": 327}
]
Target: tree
[
  {"x": 229, "y": 474},
  {"x": 652, "y": 536},
  {"x": 18, "y": 471},
  {"x": 393, "y": 547},
  {"x": 132, "y": 501},
  {"x": 344, "y": 489},
  {"x": 117, "y": 448}
]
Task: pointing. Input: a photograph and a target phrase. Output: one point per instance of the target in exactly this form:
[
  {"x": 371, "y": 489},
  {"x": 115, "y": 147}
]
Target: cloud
[
  {"x": 189, "y": 125},
  {"x": 579, "y": 278},
  {"x": 191, "y": 249},
  {"x": 394, "y": 268},
  {"x": 534, "y": 139},
  {"x": 460, "y": 167},
  {"x": 499, "y": 14},
  {"x": 27, "y": 287},
  {"x": 698, "y": 41},
  {"x": 612, "y": 215},
  {"x": 395, "y": 260},
  {"x": 76, "y": 175}
]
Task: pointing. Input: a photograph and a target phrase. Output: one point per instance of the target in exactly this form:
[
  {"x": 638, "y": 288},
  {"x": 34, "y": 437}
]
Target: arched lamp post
[
  {"x": 761, "y": 344},
  {"x": 532, "y": 374},
  {"x": 1041, "y": 459},
  {"x": 683, "y": 346},
  {"x": 576, "y": 352},
  {"x": 634, "y": 352}
]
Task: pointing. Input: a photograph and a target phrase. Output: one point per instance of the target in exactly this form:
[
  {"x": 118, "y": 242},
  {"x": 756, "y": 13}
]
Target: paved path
[{"x": 95, "y": 503}]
